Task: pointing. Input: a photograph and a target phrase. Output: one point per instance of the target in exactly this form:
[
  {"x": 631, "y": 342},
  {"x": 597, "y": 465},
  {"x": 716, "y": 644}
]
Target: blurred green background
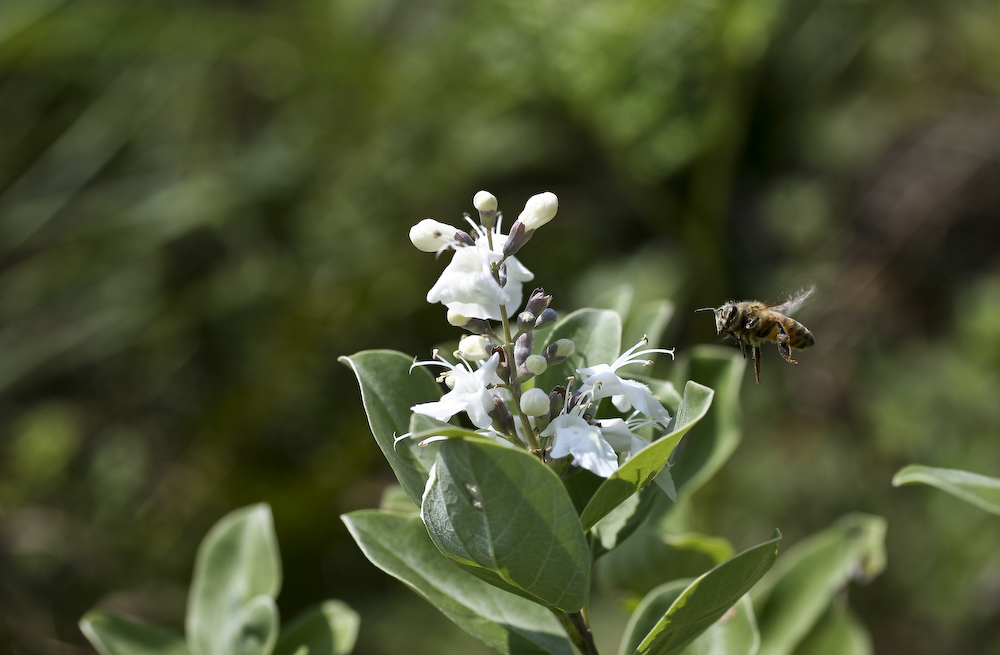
[{"x": 204, "y": 202}]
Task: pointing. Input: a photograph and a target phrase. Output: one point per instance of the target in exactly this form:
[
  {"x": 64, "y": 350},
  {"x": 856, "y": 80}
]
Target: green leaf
[
  {"x": 112, "y": 635},
  {"x": 237, "y": 573},
  {"x": 650, "y": 558},
  {"x": 329, "y": 629},
  {"x": 701, "y": 603},
  {"x": 980, "y": 490},
  {"x": 388, "y": 389},
  {"x": 734, "y": 634},
  {"x": 394, "y": 499},
  {"x": 713, "y": 440},
  {"x": 837, "y": 632},
  {"x": 649, "y": 320},
  {"x": 801, "y": 587},
  {"x": 422, "y": 426},
  {"x": 643, "y": 467},
  {"x": 398, "y": 544},
  {"x": 623, "y": 521},
  {"x": 505, "y": 517},
  {"x": 597, "y": 334}
]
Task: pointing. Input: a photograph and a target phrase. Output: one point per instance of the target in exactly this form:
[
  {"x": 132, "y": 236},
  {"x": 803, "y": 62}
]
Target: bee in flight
[{"x": 751, "y": 323}]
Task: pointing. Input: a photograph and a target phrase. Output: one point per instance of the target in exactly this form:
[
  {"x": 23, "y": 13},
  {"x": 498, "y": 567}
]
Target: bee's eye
[{"x": 732, "y": 314}]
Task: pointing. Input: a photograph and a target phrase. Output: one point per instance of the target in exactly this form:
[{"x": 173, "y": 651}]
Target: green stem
[{"x": 578, "y": 630}]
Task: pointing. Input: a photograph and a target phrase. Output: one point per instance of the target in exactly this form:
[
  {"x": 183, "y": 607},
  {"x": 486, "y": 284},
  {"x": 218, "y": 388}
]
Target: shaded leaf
[
  {"x": 649, "y": 559},
  {"x": 112, "y": 635},
  {"x": 597, "y": 334},
  {"x": 237, "y": 572},
  {"x": 388, "y": 389},
  {"x": 837, "y": 632},
  {"x": 980, "y": 490},
  {"x": 733, "y": 634},
  {"x": 399, "y": 545},
  {"x": 506, "y": 517},
  {"x": 329, "y": 629},
  {"x": 801, "y": 587},
  {"x": 642, "y": 467},
  {"x": 700, "y": 604}
]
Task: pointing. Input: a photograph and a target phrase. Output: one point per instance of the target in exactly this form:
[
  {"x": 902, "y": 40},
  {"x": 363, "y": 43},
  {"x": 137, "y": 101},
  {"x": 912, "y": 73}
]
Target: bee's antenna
[{"x": 705, "y": 309}]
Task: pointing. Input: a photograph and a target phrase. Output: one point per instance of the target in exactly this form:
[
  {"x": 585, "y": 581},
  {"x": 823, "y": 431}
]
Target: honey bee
[{"x": 751, "y": 323}]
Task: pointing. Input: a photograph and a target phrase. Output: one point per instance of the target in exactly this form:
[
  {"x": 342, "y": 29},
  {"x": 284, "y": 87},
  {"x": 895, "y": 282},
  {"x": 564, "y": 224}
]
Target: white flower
[
  {"x": 469, "y": 392},
  {"x": 473, "y": 346},
  {"x": 539, "y": 210},
  {"x": 603, "y": 381},
  {"x": 618, "y": 432},
  {"x": 432, "y": 236},
  {"x": 467, "y": 285},
  {"x": 572, "y": 435}
]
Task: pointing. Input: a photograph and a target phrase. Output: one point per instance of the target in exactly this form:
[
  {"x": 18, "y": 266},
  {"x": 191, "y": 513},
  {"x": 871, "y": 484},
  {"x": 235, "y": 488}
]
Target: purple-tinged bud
[
  {"x": 525, "y": 321},
  {"x": 547, "y": 318},
  {"x": 501, "y": 414},
  {"x": 502, "y": 274},
  {"x": 558, "y": 352},
  {"x": 557, "y": 401},
  {"x": 518, "y": 237},
  {"x": 474, "y": 325},
  {"x": 522, "y": 347},
  {"x": 464, "y": 238},
  {"x": 538, "y": 301}
]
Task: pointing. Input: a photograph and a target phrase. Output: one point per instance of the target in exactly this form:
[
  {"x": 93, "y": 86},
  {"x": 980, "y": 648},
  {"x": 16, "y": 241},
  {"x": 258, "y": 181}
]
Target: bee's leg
[
  {"x": 756, "y": 361},
  {"x": 783, "y": 349},
  {"x": 743, "y": 347}
]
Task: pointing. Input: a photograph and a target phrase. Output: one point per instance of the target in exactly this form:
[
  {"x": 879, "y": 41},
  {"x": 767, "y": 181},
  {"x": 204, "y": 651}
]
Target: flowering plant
[{"x": 538, "y": 459}]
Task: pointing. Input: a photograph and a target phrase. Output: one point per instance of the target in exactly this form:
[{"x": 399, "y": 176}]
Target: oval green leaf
[
  {"x": 597, "y": 334},
  {"x": 705, "y": 601},
  {"x": 733, "y": 634},
  {"x": 980, "y": 490},
  {"x": 388, "y": 389},
  {"x": 112, "y": 635},
  {"x": 329, "y": 629},
  {"x": 506, "y": 517},
  {"x": 647, "y": 463},
  {"x": 398, "y": 544},
  {"x": 237, "y": 562},
  {"x": 801, "y": 587}
]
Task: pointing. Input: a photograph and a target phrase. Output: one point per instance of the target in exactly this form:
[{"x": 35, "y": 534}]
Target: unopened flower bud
[
  {"x": 557, "y": 401},
  {"x": 547, "y": 318},
  {"x": 534, "y": 402},
  {"x": 559, "y": 351},
  {"x": 535, "y": 364},
  {"x": 526, "y": 321},
  {"x": 474, "y": 325},
  {"x": 539, "y": 210},
  {"x": 486, "y": 203},
  {"x": 501, "y": 414},
  {"x": 474, "y": 347},
  {"x": 538, "y": 301},
  {"x": 517, "y": 237},
  {"x": 431, "y": 236},
  {"x": 464, "y": 238},
  {"x": 522, "y": 347}
]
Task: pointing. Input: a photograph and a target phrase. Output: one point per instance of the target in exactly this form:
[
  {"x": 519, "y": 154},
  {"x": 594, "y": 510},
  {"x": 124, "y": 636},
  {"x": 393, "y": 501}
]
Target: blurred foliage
[{"x": 203, "y": 204}]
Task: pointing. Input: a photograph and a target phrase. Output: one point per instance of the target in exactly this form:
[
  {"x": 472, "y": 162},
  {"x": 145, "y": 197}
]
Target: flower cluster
[{"x": 492, "y": 377}]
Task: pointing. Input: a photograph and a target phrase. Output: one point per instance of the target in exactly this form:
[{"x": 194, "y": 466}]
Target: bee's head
[{"x": 725, "y": 316}]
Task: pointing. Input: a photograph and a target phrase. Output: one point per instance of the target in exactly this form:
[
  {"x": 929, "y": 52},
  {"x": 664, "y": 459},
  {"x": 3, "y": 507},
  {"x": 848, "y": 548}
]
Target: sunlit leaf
[
  {"x": 388, "y": 389},
  {"x": 399, "y": 545},
  {"x": 641, "y": 468},
  {"x": 505, "y": 517}
]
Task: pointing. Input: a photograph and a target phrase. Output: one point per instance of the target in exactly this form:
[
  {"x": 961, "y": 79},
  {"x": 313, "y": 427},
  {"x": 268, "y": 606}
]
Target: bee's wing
[{"x": 792, "y": 304}]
